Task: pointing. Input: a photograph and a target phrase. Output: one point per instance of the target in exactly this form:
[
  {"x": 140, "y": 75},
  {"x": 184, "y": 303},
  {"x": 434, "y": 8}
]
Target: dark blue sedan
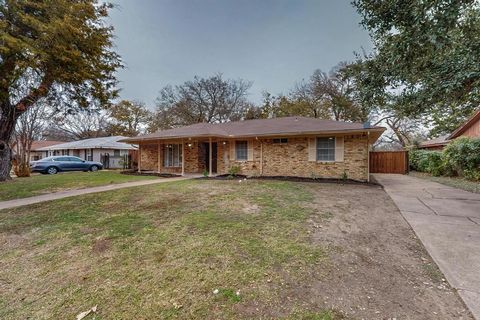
[{"x": 52, "y": 165}]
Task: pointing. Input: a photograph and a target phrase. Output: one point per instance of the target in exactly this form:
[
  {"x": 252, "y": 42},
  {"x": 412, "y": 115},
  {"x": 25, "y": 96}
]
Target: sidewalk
[
  {"x": 447, "y": 221},
  {"x": 71, "y": 193}
]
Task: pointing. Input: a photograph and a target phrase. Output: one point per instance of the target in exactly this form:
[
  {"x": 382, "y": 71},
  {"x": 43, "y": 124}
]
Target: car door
[
  {"x": 63, "y": 163},
  {"x": 77, "y": 163}
]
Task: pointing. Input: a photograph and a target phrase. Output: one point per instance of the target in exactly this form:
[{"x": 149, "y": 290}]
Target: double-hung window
[
  {"x": 172, "y": 156},
  {"x": 326, "y": 149},
  {"x": 241, "y": 150}
]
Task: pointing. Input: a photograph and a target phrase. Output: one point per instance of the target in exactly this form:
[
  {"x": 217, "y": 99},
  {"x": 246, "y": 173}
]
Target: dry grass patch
[
  {"x": 157, "y": 251},
  {"x": 42, "y": 184}
]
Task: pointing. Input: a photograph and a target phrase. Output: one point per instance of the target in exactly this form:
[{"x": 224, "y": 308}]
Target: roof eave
[
  {"x": 299, "y": 133},
  {"x": 455, "y": 134}
]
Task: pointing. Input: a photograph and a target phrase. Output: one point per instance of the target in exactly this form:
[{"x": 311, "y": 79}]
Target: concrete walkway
[
  {"x": 71, "y": 193},
  {"x": 447, "y": 221}
]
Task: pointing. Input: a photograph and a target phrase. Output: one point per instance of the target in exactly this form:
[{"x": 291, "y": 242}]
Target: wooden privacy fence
[{"x": 389, "y": 162}]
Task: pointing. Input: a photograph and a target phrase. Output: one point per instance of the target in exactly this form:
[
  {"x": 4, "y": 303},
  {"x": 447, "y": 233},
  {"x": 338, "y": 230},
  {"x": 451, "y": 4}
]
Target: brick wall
[
  {"x": 149, "y": 154},
  {"x": 289, "y": 159}
]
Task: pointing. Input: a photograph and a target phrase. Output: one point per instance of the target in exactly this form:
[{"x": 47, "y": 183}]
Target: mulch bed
[{"x": 293, "y": 179}]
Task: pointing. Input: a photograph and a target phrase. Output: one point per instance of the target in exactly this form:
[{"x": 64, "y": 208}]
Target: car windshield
[{"x": 48, "y": 159}]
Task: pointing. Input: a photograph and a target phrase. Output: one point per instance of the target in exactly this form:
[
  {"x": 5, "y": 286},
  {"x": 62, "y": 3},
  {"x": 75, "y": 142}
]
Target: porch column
[
  {"x": 139, "y": 157},
  {"x": 261, "y": 157},
  {"x": 183, "y": 158},
  {"x": 210, "y": 156},
  {"x": 159, "y": 164}
]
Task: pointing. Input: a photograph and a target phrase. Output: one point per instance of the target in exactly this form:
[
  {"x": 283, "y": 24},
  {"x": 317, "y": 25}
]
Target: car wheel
[
  {"x": 94, "y": 168},
  {"x": 52, "y": 170}
]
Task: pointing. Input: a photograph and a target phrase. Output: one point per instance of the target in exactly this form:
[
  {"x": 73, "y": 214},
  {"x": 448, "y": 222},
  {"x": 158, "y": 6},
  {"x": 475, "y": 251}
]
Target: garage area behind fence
[{"x": 389, "y": 162}]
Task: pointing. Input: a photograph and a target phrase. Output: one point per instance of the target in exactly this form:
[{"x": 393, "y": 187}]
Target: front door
[{"x": 206, "y": 149}]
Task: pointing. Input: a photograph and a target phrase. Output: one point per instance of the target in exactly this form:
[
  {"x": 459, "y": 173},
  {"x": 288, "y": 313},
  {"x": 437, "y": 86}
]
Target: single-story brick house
[{"x": 290, "y": 146}]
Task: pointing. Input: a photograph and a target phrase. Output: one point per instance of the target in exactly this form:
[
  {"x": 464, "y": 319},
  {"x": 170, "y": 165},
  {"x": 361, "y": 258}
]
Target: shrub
[
  {"x": 234, "y": 170},
  {"x": 417, "y": 160},
  {"x": 427, "y": 161},
  {"x": 435, "y": 163},
  {"x": 462, "y": 157}
]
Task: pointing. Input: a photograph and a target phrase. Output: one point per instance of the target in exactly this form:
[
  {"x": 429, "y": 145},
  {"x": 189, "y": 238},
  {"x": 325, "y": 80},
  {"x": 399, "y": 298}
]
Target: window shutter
[
  {"x": 312, "y": 149},
  {"x": 339, "y": 149},
  {"x": 232, "y": 150},
  {"x": 250, "y": 150}
]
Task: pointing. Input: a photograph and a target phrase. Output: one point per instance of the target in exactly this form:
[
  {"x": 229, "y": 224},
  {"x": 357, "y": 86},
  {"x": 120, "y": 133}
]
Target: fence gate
[{"x": 389, "y": 162}]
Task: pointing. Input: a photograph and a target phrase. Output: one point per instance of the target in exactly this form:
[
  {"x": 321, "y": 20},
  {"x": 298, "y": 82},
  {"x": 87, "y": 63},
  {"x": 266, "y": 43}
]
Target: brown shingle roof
[
  {"x": 44, "y": 143},
  {"x": 440, "y": 141},
  {"x": 257, "y": 128}
]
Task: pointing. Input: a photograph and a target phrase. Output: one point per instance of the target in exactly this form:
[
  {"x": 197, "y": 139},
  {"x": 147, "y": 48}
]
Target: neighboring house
[
  {"x": 435, "y": 144},
  {"x": 36, "y": 153},
  {"x": 470, "y": 128},
  {"x": 107, "y": 150},
  {"x": 290, "y": 146}
]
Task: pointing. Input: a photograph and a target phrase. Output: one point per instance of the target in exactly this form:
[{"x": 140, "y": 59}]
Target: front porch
[{"x": 183, "y": 156}]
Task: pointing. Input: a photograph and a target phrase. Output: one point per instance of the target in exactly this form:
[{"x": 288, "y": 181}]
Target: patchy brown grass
[{"x": 268, "y": 249}]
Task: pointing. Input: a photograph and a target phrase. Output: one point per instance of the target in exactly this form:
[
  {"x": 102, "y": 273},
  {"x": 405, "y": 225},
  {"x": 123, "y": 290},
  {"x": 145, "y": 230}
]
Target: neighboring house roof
[
  {"x": 44, "y": 143},
  {"x": 437, "y": 142},
  {"x": 466, "y": 125},
  {"x": 261, "y": 128},
  {"x": 94, "y": 143}
]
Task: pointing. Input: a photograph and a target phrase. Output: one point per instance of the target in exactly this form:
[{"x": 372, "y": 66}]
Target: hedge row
[{"x": 460, "y": 157}]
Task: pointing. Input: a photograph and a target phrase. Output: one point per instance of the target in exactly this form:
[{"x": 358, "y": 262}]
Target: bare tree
[
  {"x": 212, "y": 100},
  {"x": 402, "y": 131},
  {"x": 127, "y": 118},
  {"x": 325, "y": 95},
  {"x": 29, "y": 128},
  {"x": 83, "y": 124}
]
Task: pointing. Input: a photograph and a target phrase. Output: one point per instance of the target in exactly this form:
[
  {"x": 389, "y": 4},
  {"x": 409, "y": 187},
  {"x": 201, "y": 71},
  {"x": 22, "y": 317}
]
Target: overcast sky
[{"x": 273, "y": 43}]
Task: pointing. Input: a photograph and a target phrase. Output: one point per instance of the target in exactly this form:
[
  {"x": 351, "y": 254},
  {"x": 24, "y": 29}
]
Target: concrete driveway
[{"x": 447, "y": 221}]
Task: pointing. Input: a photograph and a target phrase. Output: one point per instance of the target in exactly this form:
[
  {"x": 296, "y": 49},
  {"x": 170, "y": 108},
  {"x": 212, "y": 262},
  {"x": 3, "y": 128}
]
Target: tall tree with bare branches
[{"x": 212, "y": 99}]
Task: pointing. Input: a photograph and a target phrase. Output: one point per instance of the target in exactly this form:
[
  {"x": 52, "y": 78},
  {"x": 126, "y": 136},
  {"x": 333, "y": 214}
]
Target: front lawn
[
  {"x": 41, "y": 184},
  {"x": 209, "y": 249},
  {"x": 456, "y": 182}
]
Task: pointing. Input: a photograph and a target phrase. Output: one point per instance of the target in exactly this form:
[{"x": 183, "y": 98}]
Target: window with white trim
[
  {"x": 326, "y": 149},
  {"x": 280, "y": 140},
  {"x": 172, "y": 155},
  {"x": 241, "y": 150}
]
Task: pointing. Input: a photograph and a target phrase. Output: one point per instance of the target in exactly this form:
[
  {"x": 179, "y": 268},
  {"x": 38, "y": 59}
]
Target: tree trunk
[{"x": 8, "y": 119}]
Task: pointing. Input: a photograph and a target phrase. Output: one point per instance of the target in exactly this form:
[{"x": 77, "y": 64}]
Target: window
[
  {"x": 116, "y": 153},
  {"x": 280, "y": 140},
  {"x": 75, "y": 159},
  {"x": 326, "y": 149},
  {"x": 241, "y": 150},
  {"x": 172, "y": 156}
]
